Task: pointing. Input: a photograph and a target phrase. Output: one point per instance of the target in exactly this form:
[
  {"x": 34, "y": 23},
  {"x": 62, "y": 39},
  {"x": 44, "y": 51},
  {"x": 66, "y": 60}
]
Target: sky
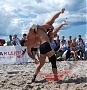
[{"x": 16, "y": 16}]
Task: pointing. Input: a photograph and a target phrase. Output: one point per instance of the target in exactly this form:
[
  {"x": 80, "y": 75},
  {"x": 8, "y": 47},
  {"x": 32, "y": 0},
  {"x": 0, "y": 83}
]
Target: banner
[{"x": 13, "y": 55}]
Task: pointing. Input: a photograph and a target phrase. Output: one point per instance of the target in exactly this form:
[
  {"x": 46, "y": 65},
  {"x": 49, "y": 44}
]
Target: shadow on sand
[
  {"x": 77, "y": 81},
  {"x": 41, "y": 81}
]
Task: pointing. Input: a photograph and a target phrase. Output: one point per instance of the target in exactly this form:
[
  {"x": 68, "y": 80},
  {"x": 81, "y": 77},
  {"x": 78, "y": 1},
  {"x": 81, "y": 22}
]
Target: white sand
[{"x": 18, "y": 77}]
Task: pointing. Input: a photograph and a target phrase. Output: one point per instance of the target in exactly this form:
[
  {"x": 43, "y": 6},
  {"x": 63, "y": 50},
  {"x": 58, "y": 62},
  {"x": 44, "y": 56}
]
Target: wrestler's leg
[
  {"x": 38, "y": 56},
  {"x": 52, "y": 20},
  {"x": 42, "y": 61},
  {"x": 52, "y": 59},
  {"x": 55, "y": 30}
]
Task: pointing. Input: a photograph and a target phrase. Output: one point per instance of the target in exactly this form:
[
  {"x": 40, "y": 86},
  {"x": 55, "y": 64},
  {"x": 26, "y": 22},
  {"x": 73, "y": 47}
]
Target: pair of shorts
[
  {"x": 34, "y": 49},
  {"x": 45, "y": 48}
]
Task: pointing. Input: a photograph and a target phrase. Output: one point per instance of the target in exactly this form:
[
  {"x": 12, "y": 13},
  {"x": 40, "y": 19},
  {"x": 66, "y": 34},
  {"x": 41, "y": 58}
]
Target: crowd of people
[{"x": 72, "y": 48}]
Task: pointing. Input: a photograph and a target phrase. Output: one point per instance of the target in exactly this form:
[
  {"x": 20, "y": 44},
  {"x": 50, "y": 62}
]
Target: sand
[{"x": 18, "y": 77}]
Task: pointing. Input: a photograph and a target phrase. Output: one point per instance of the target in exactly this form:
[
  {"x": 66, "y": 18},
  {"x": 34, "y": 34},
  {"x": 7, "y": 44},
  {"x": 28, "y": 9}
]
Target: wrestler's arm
[
  {"x": 28, "y": 49},
  {"x": 52, "y": 20},
  {"x": 59, "y": 27}
]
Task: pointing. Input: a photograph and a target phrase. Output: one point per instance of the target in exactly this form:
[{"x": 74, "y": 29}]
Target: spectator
[
  {"x": 16, "y": 40},
  {"x": 69, "y": 41},
  {"x": 78, "y": 39},
  {"x": 74, "y": 48},
  {"x": 58, "y": 42},
  {"x": 9, "y": 43},
  {"x": 63, "y": 44},
  {"x": 64, "y": 50},
  {"x": 85, "y": 50},
  {"x": 81, "y": 48},
  {"x": 22, "y": 41},
  {"x": 2, "y": 42}
]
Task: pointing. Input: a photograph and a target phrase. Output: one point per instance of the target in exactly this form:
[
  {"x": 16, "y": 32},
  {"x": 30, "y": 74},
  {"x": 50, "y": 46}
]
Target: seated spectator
[
  {"x": 63, "y": 40},
  {"x": 63, "y": 44},
  {"x": 74, "y": 48},
  {"x": 78, "y": 39},
  {"x": 69, "y": 41},
  {"x": 64, "y": 49},
  {"x": 85, "y": 50},
  {"x": 81, "y": 48}
]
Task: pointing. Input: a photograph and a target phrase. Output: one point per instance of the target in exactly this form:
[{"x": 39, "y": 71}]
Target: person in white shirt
[{"x": 16, "y": 40}]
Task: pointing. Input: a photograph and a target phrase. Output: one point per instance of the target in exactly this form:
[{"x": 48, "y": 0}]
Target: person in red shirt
[{"x": 1, "y": 42}]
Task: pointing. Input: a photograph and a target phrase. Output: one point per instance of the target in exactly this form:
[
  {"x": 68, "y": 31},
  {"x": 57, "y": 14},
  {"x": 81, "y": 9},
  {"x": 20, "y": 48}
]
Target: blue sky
[{"x": 16, "y": 16}]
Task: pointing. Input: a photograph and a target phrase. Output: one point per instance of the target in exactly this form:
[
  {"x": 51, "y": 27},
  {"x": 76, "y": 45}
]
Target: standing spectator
[
  {"x": 9, "y": 43},
  {"x": 1, "y": 42},
  {"x": 22, "y": 41},
  {"x": 16, "y": 40},
  {"x": 58, "y": 42}
]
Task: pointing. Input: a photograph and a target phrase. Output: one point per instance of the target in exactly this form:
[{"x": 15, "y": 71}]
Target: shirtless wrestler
[{"x": 40, "y": 34}]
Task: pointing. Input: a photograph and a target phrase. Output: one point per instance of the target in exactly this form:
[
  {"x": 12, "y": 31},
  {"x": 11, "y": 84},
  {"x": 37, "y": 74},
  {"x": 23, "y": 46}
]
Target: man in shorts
[{"x": 40, "y": 34}]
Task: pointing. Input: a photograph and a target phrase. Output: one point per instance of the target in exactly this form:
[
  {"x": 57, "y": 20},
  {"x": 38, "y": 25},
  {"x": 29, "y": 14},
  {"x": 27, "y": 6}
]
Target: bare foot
[
  {"x": 64, "y": 22},
  {"x": 62, "y": 11}
]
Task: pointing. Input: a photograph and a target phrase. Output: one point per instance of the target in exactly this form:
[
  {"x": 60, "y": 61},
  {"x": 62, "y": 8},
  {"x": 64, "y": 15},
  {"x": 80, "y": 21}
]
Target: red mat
[
  {"x": 66, "y": 72},
  {"x": 54, "y": 78},
  {"x": 51, "y": 77}
]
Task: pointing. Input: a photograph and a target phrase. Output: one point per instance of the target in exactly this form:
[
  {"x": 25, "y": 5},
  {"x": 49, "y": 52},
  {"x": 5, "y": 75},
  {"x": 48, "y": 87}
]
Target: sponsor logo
[{"x": 9, "y": 54}]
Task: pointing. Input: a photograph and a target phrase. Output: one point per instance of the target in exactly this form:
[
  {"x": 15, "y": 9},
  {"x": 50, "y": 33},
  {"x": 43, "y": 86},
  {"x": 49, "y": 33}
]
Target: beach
[{"x": 18, "y": 77}]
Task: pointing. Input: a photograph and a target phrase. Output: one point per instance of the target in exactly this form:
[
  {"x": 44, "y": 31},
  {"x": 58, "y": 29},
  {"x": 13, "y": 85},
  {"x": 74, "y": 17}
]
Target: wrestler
[{"x": 39, "y": 34}]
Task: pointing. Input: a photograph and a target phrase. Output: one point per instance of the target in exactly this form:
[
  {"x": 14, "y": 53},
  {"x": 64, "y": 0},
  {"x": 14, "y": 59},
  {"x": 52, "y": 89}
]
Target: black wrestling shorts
[
  {"x": 34, "y": 49},
  {"x": 45, "y": 47}
]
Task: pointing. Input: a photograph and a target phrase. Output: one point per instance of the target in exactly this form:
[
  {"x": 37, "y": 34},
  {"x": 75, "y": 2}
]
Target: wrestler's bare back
[
  {"x": 42, "y": 36},
  {"x": 33, "y": 38}
]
